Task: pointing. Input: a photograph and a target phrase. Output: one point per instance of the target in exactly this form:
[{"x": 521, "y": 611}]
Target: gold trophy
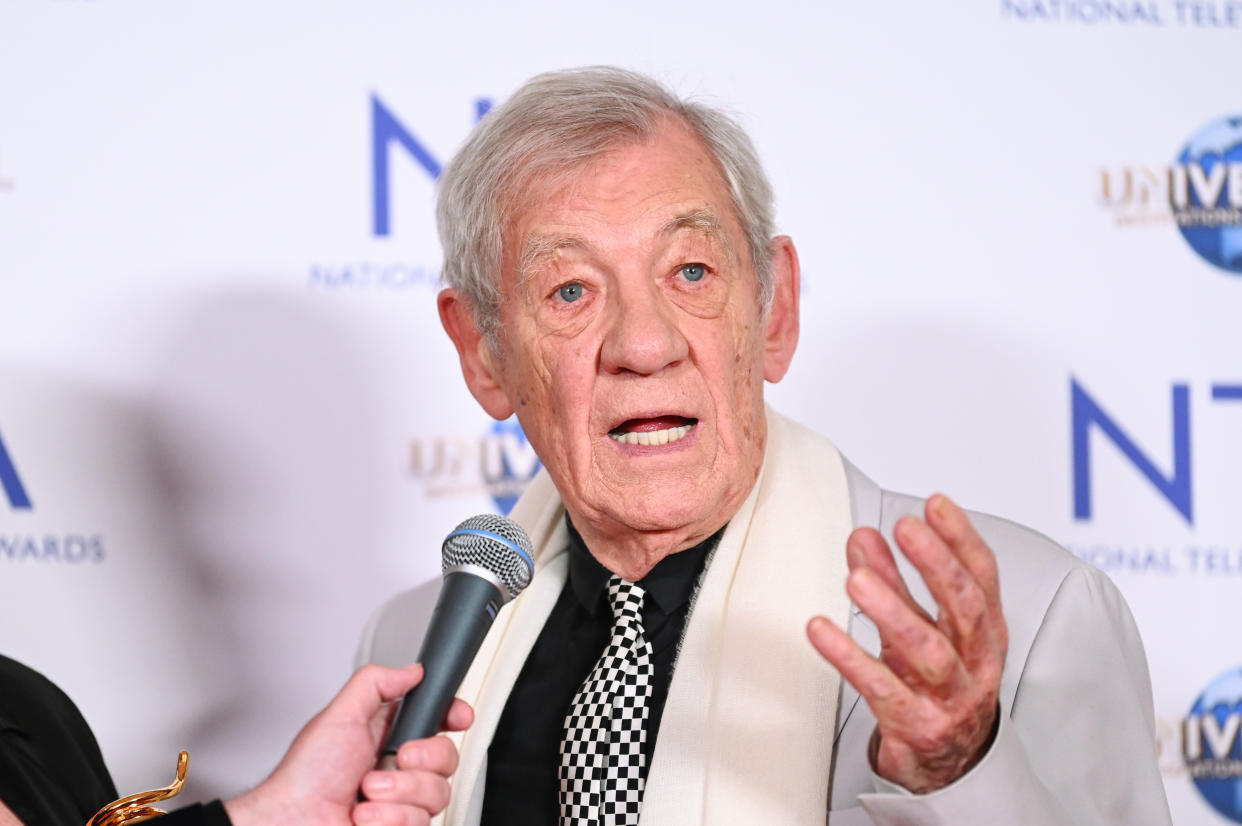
[{"x": 136, "y": 807}]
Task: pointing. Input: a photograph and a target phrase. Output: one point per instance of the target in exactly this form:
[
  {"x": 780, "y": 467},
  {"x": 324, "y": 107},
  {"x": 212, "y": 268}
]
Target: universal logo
[
  {"x": 1211, "y": 746},
  {"x": 500, "y": 464},
  {"x": 1200, "y": 192}
]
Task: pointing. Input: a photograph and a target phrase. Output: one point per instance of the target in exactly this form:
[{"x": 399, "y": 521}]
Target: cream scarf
[{"x": 747, "y": 730}]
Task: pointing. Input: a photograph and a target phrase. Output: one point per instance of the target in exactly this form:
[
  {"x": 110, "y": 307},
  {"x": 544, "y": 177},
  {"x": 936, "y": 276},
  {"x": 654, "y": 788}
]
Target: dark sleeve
[
  {"x": 51, "y": 771},
  {"x": 200, "y": 814}
]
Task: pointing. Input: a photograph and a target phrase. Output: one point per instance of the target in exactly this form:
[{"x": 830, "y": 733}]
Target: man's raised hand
[{"x": 934, "y": 687}]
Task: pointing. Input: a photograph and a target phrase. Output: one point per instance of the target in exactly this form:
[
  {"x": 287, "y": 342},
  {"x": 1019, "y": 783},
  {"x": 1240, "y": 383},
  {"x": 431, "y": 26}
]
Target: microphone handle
[{"x": 464, "y": 612}]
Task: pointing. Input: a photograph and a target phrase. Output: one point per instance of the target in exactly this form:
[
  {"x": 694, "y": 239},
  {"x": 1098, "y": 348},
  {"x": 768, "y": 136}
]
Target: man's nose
[{"x": 644, "y": 335}]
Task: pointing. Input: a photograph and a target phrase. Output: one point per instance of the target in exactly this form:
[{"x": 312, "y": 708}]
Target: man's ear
[
  {"x": 477, "y": 360},
  {"x": 781, "y": 330}
]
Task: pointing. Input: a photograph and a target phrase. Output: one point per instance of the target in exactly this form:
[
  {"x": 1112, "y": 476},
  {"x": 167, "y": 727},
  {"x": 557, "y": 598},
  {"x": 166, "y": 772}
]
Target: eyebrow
[
  {"x": 699, "y": 220},
  {"x": 541, "y": 246}
]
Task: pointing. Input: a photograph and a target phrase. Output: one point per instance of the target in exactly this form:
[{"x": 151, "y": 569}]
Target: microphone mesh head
[{"x": 491, "y": 542}]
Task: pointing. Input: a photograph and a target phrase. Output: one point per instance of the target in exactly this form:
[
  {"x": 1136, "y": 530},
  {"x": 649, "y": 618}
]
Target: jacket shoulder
[{"x": 395, "y": 631}]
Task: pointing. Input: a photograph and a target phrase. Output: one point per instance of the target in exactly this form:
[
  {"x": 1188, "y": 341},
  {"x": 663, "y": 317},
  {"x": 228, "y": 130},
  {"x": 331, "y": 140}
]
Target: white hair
[{"x": 556, "y": 123}]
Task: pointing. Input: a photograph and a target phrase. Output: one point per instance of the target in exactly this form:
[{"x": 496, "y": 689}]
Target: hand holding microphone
[
  {"x": 318, "y": 779},
  {"x": 486, "y": 562}
]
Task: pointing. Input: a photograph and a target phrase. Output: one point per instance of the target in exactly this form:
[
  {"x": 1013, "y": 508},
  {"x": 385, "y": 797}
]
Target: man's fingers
[
  {"x": 952, "y": 524},
  {"x": 422, "y": 789},
  {"x": 920, "y": 649},
  {"x": 434, "y": 754},
  {"x": 373, "y": 813},
  {"x": 371, "y": 687},
  {"x": 392, "y": 683},
  {"x": 867, "y": 547},
  {"x": 879, "y": 686},
  {"x": 964, "y": 604},
  {"x": 460, "y": 716}
]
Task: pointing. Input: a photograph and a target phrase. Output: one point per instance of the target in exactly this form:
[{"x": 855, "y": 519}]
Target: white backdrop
[{"x": 239, "y": 427}]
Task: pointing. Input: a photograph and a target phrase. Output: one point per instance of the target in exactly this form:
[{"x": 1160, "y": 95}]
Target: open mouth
[{"x": 661, "y": 430}]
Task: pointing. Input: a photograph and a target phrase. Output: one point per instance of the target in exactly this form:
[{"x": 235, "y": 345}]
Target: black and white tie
[{"x": 602, "y": 762}]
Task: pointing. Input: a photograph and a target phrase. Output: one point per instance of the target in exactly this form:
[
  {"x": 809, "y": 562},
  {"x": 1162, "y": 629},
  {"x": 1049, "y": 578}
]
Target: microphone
[{"x": 486, "y": 562}]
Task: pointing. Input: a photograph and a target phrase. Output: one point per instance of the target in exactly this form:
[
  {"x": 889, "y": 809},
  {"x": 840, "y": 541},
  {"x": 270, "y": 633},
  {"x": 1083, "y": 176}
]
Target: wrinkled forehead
[{"x": 708, "y": 210}]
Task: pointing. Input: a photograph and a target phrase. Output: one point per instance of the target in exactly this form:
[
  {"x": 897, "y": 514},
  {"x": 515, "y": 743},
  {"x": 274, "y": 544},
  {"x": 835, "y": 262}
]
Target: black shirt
[{"x": 524, "y": 753}]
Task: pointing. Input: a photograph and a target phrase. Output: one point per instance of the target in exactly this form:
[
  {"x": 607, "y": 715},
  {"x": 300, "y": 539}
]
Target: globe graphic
[
  {"x": 1222, "y": 698},
  {"x": 1218, "y": 142},
  {"x": 507, "y": 488}
]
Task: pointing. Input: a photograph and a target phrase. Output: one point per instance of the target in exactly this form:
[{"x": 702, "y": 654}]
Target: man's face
[{"x": 632, "y": 345}]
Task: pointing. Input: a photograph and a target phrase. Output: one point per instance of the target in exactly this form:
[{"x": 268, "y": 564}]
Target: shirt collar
[{"x": 668, "y": 585}]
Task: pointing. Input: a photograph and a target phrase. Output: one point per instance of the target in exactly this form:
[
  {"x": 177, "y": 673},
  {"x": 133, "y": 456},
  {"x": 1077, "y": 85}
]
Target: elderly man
[{"x": 615, "y": 281}]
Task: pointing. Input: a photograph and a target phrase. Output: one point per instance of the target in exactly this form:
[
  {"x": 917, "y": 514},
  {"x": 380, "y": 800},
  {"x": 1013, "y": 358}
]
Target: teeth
[{"x": 652, "y": 437}]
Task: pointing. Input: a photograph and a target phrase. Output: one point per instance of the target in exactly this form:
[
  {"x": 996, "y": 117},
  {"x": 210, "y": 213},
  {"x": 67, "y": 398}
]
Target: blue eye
[
  {"x": 570, "y": 292},
  {"x": 693, "y": 272}
]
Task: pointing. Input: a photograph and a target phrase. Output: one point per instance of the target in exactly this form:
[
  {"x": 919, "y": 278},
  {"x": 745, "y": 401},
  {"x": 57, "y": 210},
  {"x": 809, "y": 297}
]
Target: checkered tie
[{"x": 602, "y": 761}]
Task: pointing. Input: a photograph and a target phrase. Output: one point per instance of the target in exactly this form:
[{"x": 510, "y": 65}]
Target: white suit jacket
[{"x": 1076, "y": 743}]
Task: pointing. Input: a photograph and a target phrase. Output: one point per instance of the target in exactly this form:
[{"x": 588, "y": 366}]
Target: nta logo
[
  {"x": 389, "y": 136},
  {"x": 1088, "y": 416},
  {"x": 385, "y": 129},
  {"x": 1201, "y": 191},
  {"x": 1211, "y": 746},
  {"x": 11, "y": 482}
]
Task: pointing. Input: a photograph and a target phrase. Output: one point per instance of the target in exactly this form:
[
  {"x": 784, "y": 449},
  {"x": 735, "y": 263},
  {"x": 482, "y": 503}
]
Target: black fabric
[
  {"x": 522, "y": 759},
  {"x": 51, "y": 771}
]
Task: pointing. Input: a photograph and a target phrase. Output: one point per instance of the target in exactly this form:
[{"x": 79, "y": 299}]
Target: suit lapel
[{"x": 866, "y": 506}]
